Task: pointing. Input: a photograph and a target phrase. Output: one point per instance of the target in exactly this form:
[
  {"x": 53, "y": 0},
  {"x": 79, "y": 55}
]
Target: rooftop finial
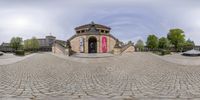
[{"x": 92, "y": 22}]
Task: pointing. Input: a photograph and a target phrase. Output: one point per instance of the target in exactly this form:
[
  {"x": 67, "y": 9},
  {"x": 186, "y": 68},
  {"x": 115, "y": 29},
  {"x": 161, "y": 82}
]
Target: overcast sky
[{"x": 129, "y": 19}]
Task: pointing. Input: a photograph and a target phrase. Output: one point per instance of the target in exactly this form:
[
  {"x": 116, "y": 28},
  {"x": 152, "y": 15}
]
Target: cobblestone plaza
[{"x": 137, "y": 76}]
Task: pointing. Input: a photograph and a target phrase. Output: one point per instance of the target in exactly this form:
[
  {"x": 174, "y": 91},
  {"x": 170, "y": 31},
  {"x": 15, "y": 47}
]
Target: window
[
  {"x": 102, "y": 31},
  {"x": 78, "y": 32},
  {"x": 82, "y": 31},
  {"x": 107, "y": 31}
]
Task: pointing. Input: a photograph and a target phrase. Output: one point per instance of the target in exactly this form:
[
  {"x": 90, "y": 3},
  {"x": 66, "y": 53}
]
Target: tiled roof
[
  {"x": 89, "y": 25},
  {"x": 5, "y": 44}
]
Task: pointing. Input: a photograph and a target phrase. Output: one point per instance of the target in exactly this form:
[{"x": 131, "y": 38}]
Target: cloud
[{"x": 129, "y": 19}]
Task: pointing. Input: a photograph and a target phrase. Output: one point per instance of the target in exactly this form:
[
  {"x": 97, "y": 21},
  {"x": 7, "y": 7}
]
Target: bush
[
  {"x": 165, "y": 52},
  {"x": 157, "y": 52},
  {"x": 20, "y": 52}
]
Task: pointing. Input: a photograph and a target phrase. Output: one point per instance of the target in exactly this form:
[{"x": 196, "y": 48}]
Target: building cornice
[{"x": 86, "y": 34}]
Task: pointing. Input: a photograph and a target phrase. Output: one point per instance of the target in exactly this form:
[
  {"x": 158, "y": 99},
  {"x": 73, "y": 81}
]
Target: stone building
[
  {"x": 45, "y": 44},
  {"x": 91, "y": 38},
  {"x": 5, "y": 47},
  {"x": 47, "y": 41}
]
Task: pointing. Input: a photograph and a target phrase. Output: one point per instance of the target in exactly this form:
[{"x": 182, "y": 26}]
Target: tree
[
  {"x": 152, "y": 42},
  {"x": 35, "y": 43},
  {"x": 26, "y": 45},
  {"x": 16, "y": 43},
  {"x": 188, "y": 45},
  {"x": 163, "y": 43},
  {"x": 176, "y": 37},
  {"x": 31, "y": 44},
  {"x": 139, "y": 45}
]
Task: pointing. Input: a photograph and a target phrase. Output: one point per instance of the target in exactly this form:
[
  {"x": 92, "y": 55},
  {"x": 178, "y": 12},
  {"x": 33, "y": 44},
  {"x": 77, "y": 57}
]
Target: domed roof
[{"x": 92, "y": 24}]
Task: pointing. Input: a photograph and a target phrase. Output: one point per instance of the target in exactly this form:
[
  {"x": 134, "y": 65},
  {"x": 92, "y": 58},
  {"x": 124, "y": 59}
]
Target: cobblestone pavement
[
  {"x": 182, "y": 60},
  {"x": 137, "y": 76},
  {"x": 9, "y": 58}
]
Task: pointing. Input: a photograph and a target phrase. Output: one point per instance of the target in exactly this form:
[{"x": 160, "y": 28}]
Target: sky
[{"x": 129, "y": 19}]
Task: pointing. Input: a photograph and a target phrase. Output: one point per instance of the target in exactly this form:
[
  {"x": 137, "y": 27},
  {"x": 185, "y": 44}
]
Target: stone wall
[
  {"x": 58, "y": 49},
  {"x": 117, "y": 51},
  {"x": 112, "y": 43},
  {"x": 75, "y": 43},
  {"x": 129, "y": 49}
]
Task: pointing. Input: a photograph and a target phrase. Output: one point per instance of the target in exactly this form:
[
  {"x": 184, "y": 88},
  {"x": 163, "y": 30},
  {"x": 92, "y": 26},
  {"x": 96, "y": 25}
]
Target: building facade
[
  {"x": 47, "y": 41},
  {"x": 92, "y": 38},
  {"x": 5, "y": 47}
]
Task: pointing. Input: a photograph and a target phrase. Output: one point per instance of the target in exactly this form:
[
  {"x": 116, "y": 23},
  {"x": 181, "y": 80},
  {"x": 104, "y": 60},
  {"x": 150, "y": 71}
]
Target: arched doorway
[{"x": 92, "y": 45}]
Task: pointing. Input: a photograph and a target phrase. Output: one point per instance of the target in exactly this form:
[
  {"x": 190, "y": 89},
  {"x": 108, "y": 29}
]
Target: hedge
[
  {"x": 165, "y": 52},
  {"x": 20, "y": 52}
]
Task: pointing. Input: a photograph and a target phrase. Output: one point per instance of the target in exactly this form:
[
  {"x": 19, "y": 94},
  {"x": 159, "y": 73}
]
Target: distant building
[
  {"x": 45, "y": 44},
  {"x": 5, "y": 47},
  {"x": 47, "y": 41},
  {"x": 197, "y": 47}
]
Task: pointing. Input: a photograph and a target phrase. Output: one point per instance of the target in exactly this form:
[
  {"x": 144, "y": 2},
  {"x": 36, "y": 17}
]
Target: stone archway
[{"x": 92, "y": 45}]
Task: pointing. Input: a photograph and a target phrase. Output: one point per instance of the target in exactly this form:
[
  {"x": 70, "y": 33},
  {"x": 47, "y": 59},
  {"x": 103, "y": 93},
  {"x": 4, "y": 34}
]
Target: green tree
[
  {"x": 152, "y": 41},
  {"x": 31, "y": 44},
  {"x": 139, "y": 45},
  {"x": 176, "y": 37},
  {"x": 163, "y": 43},
  {"x": 16, "y": 43},
  {"x": 26, "y": 46},
  {"x": 35, "y": 43},
  {"x": 188, "y": 45}
]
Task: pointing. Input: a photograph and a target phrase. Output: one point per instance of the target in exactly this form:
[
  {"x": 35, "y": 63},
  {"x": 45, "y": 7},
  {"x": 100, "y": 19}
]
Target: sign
[
  {"x": 81, "y": 45},
  {"x": 104, "y": 44}
]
